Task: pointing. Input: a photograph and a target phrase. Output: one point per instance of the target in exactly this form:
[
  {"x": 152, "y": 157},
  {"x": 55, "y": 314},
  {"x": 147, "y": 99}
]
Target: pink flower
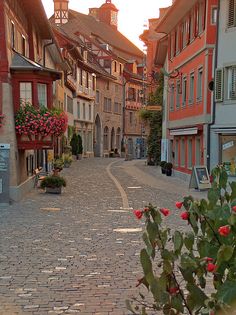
[
  {"x": 179, "y": 204},
  {"x": 138, "y": 214},
  {"x": 185, "y": 215},
  {"x": 211, "y": 267},
  {"x": 224, "y": 230},
  {"x": 165, "y": 211}
]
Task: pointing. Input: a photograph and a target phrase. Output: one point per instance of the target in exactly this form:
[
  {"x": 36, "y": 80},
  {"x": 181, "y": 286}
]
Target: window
[
  {"x": 228, "y": 153},
  {"x": 120, "y": 68},
  {"x": 116, "y": 88},
  {"x": 199, "y": 85},
  {"x": 118, "y": 138},
  {"x": 109, "y": 105},
  {"x": 117, "y": 108},
  {"x": 191, "y": 89},
  {"x": 178, "y": 92},
  {"x": 42, "y": 94},
  {"x": 90, "y": 112},
  {"x": 78, "y": 109},
  {"x": 84, "y": 111},
  {"x": 94, "y": 81},
  {"x": 182, "y": 153},
  {"x": 176, "y": 152},
  {"x": 190, "y": 150},
  {"x": 198, "y": 152},
  {"x": 26, "y": 92},
  {"x": 232, "y": 13},
  {"x": 81, "y": 77},
  {"x": 231, "y": 83},
  {"x": 105, "y": 104},
  {"x": 87, "y": 80},
  {"x": 108, "y": 85},
  {"x": 213, "y": 15},
  {"x": 13, "y": 34},
  {"x": 105, "y": 138},
  {"x": 184, "y": 91},
  {"x": 97, "y": 97},
  {"x": 131, "y": 94},
  {"x": 172, "y": 96},
  {"x": 115, "y": 66},
  {"x": 131, "y": 118},
  {"x": 23, "y": 46},
  {"x": 69, "y": 104}
]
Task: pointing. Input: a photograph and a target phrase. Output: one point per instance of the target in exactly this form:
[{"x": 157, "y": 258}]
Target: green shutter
[{"x": 219, "y": 85}]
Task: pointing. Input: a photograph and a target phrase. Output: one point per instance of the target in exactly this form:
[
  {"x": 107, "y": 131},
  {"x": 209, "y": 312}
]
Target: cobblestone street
[{"x": 79, "y": 252}]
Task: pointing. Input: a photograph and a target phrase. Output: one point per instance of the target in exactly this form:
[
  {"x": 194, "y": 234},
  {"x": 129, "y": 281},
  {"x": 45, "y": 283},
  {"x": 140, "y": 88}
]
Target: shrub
[
  {"x": 53, "y": 181},
  {"x": 192, "y": 272},
  {"x": 58, "y": 164},
  {"x": 163, "y": 164},
  {"x": 168, "y": 166}
]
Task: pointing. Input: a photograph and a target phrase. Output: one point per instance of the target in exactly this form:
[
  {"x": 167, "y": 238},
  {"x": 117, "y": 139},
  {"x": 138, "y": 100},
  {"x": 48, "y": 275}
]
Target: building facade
[
  {"x": 189, "y": 44},
  {"x": 223, "y": 129},
  {"x": 30, "y": 66}
]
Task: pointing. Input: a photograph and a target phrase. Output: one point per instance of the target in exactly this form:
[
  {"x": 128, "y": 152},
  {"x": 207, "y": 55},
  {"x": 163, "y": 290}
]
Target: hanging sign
[{"x": 200, "y": 178}]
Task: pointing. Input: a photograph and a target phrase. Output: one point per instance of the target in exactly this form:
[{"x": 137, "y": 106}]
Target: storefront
[{"x": 228, "y": 153}]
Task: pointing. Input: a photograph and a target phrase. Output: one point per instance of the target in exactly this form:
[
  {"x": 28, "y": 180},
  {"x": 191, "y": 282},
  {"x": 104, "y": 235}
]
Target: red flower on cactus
[
  {"x": 234, "y": 208},
  {"x": 224, "y": 230},
  {"x": 138, "y": 214},
  {"x": 146, "y": 209},
  {"x": 184, "y": 215},
  {"x": 165, "y": 211},
  {"x": 179, "y": 204},
  {"x": 208, "y": 259},
  {"x": 211, "y": 267}
]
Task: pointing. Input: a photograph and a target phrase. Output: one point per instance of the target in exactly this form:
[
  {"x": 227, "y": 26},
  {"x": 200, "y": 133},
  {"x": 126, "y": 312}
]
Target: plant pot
[
  {"x": 55, "y": 190},
  {"x": 168, "y": 172},
  {"x": 163, "y": 170}
]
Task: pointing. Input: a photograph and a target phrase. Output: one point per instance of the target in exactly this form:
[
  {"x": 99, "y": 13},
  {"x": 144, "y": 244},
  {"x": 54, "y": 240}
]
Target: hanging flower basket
[{"x": 39, "y": 124}]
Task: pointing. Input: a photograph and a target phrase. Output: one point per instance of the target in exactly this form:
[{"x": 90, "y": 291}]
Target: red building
[{"x": 187, "y": 50}]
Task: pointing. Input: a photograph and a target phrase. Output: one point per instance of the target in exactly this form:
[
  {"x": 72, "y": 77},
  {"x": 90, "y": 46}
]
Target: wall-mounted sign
[
  {"x": 200, "y": 178},
  {"x": 4, "y": 172},
  {"x": 228, "y": 145}
]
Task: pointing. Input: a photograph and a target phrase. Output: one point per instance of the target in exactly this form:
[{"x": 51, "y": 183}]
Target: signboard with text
[{"x": 200, "y": 178}]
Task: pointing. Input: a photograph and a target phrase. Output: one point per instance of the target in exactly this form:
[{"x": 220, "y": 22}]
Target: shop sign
[
  {"x": 228, "y": 145},
  {"x": 200, "y": 178}
]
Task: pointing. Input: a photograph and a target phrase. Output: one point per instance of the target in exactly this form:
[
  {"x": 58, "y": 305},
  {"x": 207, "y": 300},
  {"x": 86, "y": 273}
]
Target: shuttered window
[
  {"x": 219, "y": 85},
  {"x": 231, "y": 83},
  {"x": 232, "y": 13}
]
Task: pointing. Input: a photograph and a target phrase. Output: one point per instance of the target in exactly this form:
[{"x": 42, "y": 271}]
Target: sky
[{"x": 132, "y": 16}]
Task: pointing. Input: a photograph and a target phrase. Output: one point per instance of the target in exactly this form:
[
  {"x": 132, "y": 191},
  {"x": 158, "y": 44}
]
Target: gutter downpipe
[
  {"x": 44, "y": 51},
  {"x": 214, "y": 103},
  {"x": 124, "y": 140}
]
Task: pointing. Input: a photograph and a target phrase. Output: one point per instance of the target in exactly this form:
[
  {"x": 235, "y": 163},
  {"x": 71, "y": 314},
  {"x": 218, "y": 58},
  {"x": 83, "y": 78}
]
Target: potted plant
[
  {"x": 58, "y": 164},
  {"x": 74, "y": 143},
  {"x": 163, "y": 167},
  {"x": 80, "y": 147},
  {"x": 67, "y": 160},
  {"x": 53, "y": 184},
  {"x": 168, "y": 168}
]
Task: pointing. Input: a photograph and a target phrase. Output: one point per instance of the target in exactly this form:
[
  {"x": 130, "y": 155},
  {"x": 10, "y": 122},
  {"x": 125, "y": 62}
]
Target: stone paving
[{"x": 79, "y": 252}]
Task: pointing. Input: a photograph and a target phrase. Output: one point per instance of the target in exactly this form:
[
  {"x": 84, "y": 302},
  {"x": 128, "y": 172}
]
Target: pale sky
[{"x": 132, "y": 15}]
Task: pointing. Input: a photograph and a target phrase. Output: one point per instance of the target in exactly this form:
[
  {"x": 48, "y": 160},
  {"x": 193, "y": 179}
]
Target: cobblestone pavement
[{"x": 79, "y": 252}]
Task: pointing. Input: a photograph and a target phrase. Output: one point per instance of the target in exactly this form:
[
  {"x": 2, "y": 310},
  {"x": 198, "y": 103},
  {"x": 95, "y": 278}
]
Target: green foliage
[
  {"x": 53, "y": 181},
  {"x": 80, "y": 147},
  {"x": 193, "y": 272},
  {"x": 58, "y": 164},
  {"x": 74, "y": 143},
  {"x": 154, "y": 119}
]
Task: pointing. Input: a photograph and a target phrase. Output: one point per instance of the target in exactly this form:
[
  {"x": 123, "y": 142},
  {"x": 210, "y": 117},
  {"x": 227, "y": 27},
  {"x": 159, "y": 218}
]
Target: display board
[
  {"x": 4, "y": 172},
  {"x": 200, "y": 178}
]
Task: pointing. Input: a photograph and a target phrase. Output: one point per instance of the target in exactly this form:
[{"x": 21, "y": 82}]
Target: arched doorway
[
  {"x": 97, "y": 137},
  {"x": 112, "y": 139}
]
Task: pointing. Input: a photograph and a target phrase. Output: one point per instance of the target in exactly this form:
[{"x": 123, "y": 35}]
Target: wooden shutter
[
  {"x": 219, "y": 85},
  {"x": 233, "y": 87},
  {"x": 189, "y": 29},
  {"x": 204, "y": 15},
  {"x": 231, "y": 13},
  {"x": 196, "y": 20}
]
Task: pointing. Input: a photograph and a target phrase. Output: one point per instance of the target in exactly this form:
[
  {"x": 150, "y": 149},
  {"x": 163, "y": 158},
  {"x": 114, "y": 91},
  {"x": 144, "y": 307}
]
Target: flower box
[{"x": 55, "y": 190}]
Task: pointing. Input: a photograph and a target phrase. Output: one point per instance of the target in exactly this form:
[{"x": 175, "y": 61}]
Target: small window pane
[
  {"x": 42, "y": 94},
  {"x": 26, "y": 92}
]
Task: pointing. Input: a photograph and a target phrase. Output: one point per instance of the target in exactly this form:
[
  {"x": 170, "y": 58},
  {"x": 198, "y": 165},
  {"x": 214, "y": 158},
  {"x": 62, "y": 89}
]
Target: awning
[{"x": 184, "y": 131}]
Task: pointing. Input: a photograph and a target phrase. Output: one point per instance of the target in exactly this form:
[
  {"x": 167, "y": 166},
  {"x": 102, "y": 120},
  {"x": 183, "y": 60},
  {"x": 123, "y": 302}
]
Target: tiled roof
[{"x": 88, "y": 25}]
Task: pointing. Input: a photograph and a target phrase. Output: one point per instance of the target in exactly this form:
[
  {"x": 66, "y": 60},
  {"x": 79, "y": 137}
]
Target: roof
[
  {"x": 22, "y": 63},
  {"x": 173, "y": 15},
  {"x": 89, "y": 26}
]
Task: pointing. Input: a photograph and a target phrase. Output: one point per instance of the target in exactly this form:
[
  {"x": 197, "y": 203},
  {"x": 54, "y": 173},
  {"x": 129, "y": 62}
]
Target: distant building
[{"x": 113, "y": 52}]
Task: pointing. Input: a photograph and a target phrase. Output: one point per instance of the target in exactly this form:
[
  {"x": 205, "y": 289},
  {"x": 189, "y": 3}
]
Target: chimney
[{"x": 61, "y": 11}]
